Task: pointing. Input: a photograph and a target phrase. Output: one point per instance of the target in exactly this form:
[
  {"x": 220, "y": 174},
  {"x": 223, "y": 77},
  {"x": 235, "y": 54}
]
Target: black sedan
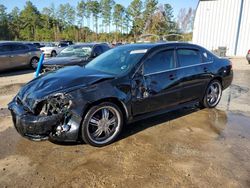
[
  {"x": 79, "y": 54},
  {"x": 123, "y": 85}
]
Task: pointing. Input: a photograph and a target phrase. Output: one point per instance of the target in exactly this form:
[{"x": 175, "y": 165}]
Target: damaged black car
[
  {"x": 125, "y": 84},
  {"x": 78, "y": 54}
]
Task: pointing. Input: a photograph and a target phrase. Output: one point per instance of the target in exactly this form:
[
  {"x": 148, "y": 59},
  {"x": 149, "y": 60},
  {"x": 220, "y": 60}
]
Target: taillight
[{"x": 248, "y": 52}]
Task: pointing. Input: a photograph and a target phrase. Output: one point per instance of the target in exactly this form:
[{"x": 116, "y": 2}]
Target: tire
[
  {"x": 34, "y": 62},
  {"x": 102, "y": 124},
  {"x": 53, "y": 54},
  {"x": 212, "y": 95}
]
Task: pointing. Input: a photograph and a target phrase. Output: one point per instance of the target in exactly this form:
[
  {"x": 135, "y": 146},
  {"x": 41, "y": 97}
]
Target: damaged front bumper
[{"x": 38, "y": 127}]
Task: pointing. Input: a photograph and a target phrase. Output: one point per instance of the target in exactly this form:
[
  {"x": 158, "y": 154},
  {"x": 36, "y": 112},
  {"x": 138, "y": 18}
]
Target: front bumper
[{"x": 31, "y": 126}]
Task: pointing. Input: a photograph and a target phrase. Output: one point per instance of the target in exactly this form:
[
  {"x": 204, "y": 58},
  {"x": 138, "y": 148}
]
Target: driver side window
[{"x": 160, "y": 62}]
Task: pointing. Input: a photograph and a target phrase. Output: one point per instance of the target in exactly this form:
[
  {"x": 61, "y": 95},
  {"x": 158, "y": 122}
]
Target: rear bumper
[
  {"x": 31, "y": 126},
  {"x": 227, "y": 80}
]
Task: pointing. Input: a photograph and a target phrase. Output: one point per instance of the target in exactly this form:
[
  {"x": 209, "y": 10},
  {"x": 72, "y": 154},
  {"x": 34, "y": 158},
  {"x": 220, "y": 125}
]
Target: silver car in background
[{"x": 18, "y": 54}]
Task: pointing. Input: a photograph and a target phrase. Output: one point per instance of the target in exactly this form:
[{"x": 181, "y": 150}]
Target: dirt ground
[{"x": 184, "y": 148}]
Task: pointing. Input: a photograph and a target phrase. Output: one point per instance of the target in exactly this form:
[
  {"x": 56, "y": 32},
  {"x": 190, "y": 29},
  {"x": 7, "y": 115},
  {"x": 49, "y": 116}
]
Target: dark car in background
[
  {"x": 125, "y": 84},
  {"x": 38, "y": 44},
  {"x": 248, "y": 56},
  {"x": 18, "y": 54},
  {"x": 79, "y": 54}
]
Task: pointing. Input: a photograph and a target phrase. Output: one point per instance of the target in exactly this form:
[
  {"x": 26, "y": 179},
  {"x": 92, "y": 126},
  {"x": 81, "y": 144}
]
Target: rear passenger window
[
  {"x": 17, "y": 47},
  {"x": 161, "y": 61},
  {"x": 207, "y": 57},
  {"x": 188, "y": 57}
]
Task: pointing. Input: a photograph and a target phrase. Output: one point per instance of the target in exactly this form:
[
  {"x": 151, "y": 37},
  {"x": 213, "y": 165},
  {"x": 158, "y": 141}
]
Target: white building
[{"x": 223, "y": 23}]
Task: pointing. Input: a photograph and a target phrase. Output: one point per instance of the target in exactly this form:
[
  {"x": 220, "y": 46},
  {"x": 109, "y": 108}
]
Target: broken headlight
[{"x": 57, "y": 104}]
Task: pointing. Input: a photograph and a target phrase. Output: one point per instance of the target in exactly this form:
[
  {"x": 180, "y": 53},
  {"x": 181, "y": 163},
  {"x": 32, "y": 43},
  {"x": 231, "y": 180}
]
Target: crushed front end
[
  {"x": 49, "y": 117},
  {"x": 49, "y": 68}
]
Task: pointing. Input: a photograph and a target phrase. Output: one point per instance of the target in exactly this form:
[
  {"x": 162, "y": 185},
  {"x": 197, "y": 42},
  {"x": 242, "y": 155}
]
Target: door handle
[
  {"x": 205, "y": 69},
  {"x": 171, "y": 76}
]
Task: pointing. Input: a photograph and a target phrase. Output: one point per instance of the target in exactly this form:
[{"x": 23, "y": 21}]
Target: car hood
[
  {"x": 63, "y": 61},
  {"x": 62, "y": 80}
]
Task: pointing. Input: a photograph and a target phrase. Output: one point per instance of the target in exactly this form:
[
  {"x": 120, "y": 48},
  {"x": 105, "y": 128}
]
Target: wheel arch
[
  {"x": 113, "y": 100},
  {"x": 34, "y": 57},
  {"x": 219, "y": 78},
  {"x": 53, "y": 51}
]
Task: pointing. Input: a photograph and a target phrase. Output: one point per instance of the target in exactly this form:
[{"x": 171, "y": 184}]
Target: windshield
[
  {"x": 78, "y": 51},
  {"x": 118, "y": 60},
  {"x": 50, "y": 45}
]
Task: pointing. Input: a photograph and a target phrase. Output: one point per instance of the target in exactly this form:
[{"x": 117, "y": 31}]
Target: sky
[{"x": 176, "y": 4}]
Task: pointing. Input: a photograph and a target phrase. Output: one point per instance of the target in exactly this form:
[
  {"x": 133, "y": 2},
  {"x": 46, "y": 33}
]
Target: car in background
[
  {"x": 18, "y": 54},
  {"x": 38, "y": 45},
  {"x": 52, "y": 49},
  {"x": 78, "y": 54},
  {"x": 123, "y": 85},
  {"x": 69, "y": 42},
  {"x": 113, "y": 45},
  {"x": 248, "y": 56}
]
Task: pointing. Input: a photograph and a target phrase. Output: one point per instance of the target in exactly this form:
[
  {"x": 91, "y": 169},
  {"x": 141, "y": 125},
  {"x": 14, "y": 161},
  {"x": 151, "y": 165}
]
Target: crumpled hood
[
  {"x": 64, "y": 61},
  {"x": 61, "y": 80}
]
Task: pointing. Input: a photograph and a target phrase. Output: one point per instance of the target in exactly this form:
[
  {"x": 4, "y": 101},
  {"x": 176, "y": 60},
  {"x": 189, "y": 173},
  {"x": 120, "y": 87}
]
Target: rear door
[
  {"x": 159, "y": 86},
  {"x": 20, "y": 55},
  {"x": 194, "y": 74},
  {"x": 5, "y": 56}
]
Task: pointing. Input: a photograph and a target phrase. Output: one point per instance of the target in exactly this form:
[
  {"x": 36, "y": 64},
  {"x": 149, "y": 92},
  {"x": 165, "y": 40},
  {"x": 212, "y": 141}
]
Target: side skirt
[{"x": 152, "y": 114}]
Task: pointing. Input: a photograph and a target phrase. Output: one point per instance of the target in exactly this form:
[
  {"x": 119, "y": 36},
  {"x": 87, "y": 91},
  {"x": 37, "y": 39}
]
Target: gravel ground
[{"x": 184, "y": 148}]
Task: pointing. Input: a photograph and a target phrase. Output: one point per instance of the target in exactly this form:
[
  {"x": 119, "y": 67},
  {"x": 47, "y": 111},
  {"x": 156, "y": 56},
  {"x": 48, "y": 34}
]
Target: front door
[{"x": 158, "y": 86}]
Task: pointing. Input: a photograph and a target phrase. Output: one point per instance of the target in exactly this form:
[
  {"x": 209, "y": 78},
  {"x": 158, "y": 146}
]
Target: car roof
[
  {"x": 156, "y": 44},
  {"x": 15, "y": 42},
  {"x": 11, "y": 42},
  {"x": 87, "y": 44},
  {"x": 161, "y": 43}
]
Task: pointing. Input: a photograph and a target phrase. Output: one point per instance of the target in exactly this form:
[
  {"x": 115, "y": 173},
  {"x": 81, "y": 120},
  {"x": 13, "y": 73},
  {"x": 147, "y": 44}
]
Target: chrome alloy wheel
[
  {"x": 103, "y": 125},
  {"x": 34, "y": 63},
  {"x": 214, "y": 94}
]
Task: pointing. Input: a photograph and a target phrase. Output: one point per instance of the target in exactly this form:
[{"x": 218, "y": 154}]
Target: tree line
[{"x": 92, "y": 20}]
